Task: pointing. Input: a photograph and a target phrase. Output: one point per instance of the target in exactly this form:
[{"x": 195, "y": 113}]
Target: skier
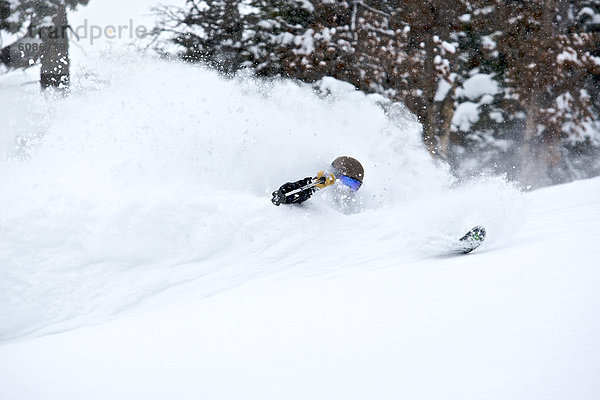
[
  {"x": 346, "y": 171},
  {"x": 348, "y": 174}
]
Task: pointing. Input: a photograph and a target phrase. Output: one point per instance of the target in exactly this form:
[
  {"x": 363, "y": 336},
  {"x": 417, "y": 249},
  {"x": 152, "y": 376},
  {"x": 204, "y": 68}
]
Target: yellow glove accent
[{"x": 329, "y": 179}]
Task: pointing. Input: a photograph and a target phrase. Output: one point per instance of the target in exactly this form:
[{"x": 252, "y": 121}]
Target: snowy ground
[
  {"x": 521, "y": 321},
  {"x": 140, "y": 257}
]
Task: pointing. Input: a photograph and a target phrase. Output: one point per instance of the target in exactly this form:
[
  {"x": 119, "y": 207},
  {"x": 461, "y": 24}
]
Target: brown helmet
[{"x": 348, "y": 166}]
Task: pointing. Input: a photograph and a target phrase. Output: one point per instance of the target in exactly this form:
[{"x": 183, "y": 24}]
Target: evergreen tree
[
  {"x": 219, "y": 36},
  {"x": 536, "y": 60},
  {"x": 479, "y": 135},
  {"x": 45, "y": 20},
  {"x": 547, "y": 59}
]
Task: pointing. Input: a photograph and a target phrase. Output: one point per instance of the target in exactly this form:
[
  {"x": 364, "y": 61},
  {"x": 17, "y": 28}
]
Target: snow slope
[
  {"x": 521, "y": 321},
  {"x": 140, "y": 256}
]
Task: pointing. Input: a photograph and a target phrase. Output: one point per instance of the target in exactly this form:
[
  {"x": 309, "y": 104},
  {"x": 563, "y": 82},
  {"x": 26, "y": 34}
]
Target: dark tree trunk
[{"x": 55, "y": 52}]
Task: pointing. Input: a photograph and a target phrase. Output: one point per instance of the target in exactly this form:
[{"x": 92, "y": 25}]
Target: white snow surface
[
  {"x": 466, "y": 114},
  {"x": 478, "y": 85},
  {"x": 141, "y": 258}
]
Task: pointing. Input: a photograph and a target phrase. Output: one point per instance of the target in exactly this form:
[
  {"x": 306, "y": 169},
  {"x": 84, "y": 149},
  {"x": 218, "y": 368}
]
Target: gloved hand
[
  {"x": 278, "y": 197},
  {"x": 324, "y": 179}
]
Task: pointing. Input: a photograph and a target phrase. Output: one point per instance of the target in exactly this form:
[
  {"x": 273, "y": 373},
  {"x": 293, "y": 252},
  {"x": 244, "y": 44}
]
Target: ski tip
[
  {"x": 471, "y": 240},
  {"x": 480, "y": 231}
]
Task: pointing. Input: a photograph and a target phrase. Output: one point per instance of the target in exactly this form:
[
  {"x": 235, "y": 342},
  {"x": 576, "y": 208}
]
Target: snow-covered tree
[
  {"x": 44, "y": 22},
  {"x": 546, "y": 62},
  {"x": 480, "y": 120},
  {"x": 218, "y": 33},
  {"x": 490, "y": 80}
]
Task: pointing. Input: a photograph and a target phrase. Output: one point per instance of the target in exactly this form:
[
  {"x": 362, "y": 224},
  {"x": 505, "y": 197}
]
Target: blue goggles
[{"x": 351, "y": 183}]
